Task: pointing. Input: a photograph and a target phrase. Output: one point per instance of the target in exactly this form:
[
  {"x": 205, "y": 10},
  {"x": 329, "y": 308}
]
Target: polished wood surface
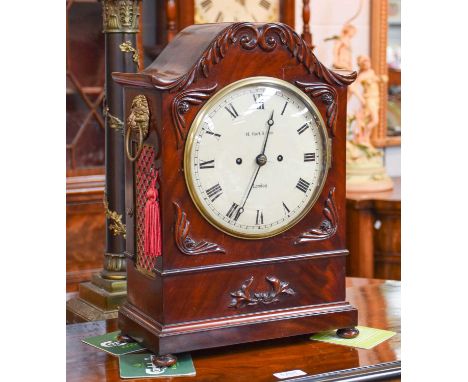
[
  {"x": 378, "y": 302},
  {"x": 201, "y": 265},
  {"x": 374, "y": 233}
]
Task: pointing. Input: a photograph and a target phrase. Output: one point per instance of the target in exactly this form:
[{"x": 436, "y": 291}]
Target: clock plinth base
[
  {"x": 347, "y": 333},
  {"x": 188, "y": 336}
]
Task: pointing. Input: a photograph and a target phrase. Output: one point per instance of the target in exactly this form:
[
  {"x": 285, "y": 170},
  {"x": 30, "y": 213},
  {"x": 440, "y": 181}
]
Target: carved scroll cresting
[
  {"x": 184, "y": 242},
  {"x": 248, "y": 36},
  {"x": 181, "y": 105},
  {"x": 328, "y": 95},
  {"x": 327, "y": 227},
  {"x": 244, "y": 297}
]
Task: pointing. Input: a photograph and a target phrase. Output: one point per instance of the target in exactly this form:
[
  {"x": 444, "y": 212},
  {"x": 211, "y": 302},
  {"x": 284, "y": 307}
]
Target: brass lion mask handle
[{"x": 137, "y": 122}]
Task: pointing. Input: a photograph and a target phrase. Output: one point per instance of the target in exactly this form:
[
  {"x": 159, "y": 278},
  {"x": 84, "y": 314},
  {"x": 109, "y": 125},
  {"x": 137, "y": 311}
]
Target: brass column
[
  {"x": 120, "y": 26},
  {"x": 100, "y": 298}
]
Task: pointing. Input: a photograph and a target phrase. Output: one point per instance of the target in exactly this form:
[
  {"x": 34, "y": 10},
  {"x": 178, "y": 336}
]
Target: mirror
[
  {"x": 394, "y": 70},
  {"x": 386, "y": 58}
]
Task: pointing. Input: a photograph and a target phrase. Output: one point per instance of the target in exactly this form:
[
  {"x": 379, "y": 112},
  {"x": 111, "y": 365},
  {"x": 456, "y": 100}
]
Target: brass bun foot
[
  {"x": 164, "y": 360},
  {"x": 347, "y": 333},
  {"x": 124, "y": 338}
]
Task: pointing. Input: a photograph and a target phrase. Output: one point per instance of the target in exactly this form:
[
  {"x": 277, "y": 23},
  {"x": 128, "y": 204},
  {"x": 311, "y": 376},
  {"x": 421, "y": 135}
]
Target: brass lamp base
[{"x": 98, "y": 299}]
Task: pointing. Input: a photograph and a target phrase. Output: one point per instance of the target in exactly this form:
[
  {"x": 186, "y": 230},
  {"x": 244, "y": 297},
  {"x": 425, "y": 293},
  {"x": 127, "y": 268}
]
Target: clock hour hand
[{"x": 270, "y": 123}]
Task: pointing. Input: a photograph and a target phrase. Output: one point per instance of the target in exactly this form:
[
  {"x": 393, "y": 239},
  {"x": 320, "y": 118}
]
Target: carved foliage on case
[
  {"x": 181, "y": 105},
  {"x": 244, "y": 296},
  {"x": 184, "y": 242},
  {"x": 328, "y": 95},
  {"x": 327, "y": 227},
  {"x": 249, "y": 36}
]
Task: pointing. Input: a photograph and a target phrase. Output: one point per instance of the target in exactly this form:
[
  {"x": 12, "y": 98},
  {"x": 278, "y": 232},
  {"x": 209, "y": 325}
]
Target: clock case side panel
[{"x": 143, "y": 281}]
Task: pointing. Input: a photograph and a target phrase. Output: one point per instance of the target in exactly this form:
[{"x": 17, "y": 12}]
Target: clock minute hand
[
  {"x": 261, "y": 160},
  {"x": 252, "y": 182}
]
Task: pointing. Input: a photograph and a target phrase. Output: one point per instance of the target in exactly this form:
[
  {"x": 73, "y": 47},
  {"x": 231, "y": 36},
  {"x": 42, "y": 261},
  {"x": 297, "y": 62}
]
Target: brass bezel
[{"x": 258, "y": 80}]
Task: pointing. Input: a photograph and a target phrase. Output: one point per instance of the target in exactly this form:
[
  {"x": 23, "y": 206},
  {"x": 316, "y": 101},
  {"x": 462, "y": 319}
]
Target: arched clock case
[{"x": 257, "y": 272}]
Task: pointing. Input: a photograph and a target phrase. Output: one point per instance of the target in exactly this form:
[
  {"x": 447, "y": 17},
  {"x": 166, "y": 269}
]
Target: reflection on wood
[
  {"x": 378, "y": 304},
  {"x": 379, "y": 307}
]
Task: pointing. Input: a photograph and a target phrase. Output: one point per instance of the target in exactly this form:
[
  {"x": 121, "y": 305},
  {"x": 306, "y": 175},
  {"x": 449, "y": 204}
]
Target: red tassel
[{"x": 152, "y": 221}]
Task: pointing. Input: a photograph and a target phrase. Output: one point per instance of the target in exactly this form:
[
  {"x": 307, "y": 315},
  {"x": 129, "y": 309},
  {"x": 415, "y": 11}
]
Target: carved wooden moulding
[
  {"x": 249, "y": 36},
  {"x": 326, "y": 94},
  {"x": 181, "y": 105},
  {"x": 327, "y": 227},
  {"x": 184, "y": 242},
  {"x": 245, "y": 297}
]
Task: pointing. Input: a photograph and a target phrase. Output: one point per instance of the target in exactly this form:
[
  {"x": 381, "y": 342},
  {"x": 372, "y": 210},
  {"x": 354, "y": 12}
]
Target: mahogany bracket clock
[{"x": 235, "y": 191}]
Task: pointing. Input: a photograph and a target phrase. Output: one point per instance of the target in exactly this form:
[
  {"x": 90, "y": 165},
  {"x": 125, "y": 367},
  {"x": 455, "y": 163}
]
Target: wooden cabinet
[
  {"x": 84, "y": 141},
  {"x": 85, "y": 228},
  {"x": 373, "y": 231}
]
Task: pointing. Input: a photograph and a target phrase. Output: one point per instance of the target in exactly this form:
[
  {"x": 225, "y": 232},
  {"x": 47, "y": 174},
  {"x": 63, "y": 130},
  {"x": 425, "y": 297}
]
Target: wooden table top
[
  {"x": 378, "y": 302},
  {"x": 391, "y": 196}
]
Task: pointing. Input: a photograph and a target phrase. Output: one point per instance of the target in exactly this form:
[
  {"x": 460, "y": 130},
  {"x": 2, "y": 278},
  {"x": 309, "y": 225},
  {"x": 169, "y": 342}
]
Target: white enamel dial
[
  {"x": 256, "y": 157},
  {"x": 218, "y": 11}
]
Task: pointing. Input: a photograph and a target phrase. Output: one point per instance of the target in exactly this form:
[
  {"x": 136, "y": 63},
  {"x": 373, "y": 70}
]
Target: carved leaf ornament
[
  {"x": 328, "y": 96},
  {"x": 244, "y": 296},
  {"x": 181, "y": 105},
  {"x": 327, "y": 227},
  {"x": 184, "y": 242}
]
